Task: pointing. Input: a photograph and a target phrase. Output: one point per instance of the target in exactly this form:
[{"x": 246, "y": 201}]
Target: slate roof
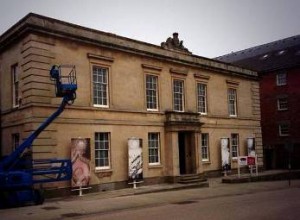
[{"x": 281, "y": 54}]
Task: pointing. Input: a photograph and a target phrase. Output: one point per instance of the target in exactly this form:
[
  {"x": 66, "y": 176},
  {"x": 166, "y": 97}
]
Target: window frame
[
  {"x": 151, "y": 89},
  {"x": 157, "y": 148},
  {"x": 230, "y": 100},
  {"x": 181, "y": 95},
  {"x": 280, "y": 80},
  {"x": 282, "y": 127},
  {"x": 205, "y": 145},
  {"x": 15, "y": 86},
  {"x": 280, "y": 104},
  {"x": 204, "y": 96},
  {"x": 15, "y": 140},
  {"x": 234, "y": 145},
  {"x": 107, "y": 71},
  {"x": 108, "y": 158}
]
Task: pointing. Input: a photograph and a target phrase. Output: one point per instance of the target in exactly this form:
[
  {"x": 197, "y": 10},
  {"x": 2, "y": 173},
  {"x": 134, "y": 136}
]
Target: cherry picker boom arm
[
  {"x": 17, "y": 180},
  {"x": 67, "y": 91},
  {"x": 10, "y": 160}
]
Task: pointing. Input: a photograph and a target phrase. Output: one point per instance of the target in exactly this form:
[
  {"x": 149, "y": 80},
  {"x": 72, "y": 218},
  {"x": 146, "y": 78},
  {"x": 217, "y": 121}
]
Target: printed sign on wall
[
  {"x": 80, "y": 156},
  {"x": 135, "y": 160}
]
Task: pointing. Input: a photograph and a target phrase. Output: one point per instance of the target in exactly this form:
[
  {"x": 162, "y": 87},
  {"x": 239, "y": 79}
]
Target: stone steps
[{"x": 192, "y": 178}]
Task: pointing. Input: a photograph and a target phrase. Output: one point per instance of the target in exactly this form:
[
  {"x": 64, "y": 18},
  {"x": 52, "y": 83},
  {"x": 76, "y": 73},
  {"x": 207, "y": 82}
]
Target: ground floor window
[
  {"x": 154, "y": 148},
  {"x": 15, "y": 140},
  {"x": 204, "y": 147},
  {"x": 234, "y": 145},
  {"x": 102, "y": 150}
]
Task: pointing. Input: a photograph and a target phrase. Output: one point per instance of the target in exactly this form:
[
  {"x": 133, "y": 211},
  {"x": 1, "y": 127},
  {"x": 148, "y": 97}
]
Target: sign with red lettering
[{"x": 251, "y": 160}]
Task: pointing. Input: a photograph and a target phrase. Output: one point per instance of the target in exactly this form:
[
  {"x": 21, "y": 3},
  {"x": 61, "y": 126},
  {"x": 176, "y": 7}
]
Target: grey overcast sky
[{"x": 209, "y": 28}]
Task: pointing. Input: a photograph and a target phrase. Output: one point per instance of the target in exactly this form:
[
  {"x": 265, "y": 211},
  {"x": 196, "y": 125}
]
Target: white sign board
[{"x": 242, "y": 161}]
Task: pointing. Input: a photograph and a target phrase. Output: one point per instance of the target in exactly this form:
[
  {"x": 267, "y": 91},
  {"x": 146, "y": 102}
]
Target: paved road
[
  {"x": 184, "y": 204},
  {"x": 279, "y": 204}
]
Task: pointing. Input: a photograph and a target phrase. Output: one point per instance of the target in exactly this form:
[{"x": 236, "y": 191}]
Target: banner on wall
[
  {"x": 225, "y": 154},
  {"x": 135, "y": 160},
  {"x": 251, "y": 146},
  {"x": 81, "y": 157}
]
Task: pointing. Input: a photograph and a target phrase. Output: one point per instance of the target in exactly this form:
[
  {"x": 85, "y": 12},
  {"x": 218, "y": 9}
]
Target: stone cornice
[{"x": 33, "y": 23}]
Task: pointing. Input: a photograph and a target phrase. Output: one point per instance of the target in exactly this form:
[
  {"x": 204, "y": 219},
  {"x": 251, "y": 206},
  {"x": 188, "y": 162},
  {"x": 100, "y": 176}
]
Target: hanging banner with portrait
[
  {"x": 135, "y": 160},
  {"x": 81, "y": 157}
]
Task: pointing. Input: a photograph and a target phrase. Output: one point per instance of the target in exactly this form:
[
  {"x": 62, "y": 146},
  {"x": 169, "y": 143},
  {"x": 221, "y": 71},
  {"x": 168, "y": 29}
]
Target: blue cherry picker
[{"x": 19, "y": 173}]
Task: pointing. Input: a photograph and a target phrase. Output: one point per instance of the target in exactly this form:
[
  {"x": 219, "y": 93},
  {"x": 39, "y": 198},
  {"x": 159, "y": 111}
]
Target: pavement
[
  {"x": 143, "y": 196},
  {"x": 270, "y": 175}
]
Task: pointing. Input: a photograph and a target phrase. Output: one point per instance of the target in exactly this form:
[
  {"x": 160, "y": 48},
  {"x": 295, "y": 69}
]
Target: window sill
[
  {"x": 152, "y": 110},
  {"x": 282, "y": 110},
  {"x": 104, "y": 169},
  {"x": 206, "y": 162},
  {"x": 155, "y": 166},
  {"x": 178, "y": 110},
  {"x": 103, "y": 172},
  {"x": 101, "y": 106}
]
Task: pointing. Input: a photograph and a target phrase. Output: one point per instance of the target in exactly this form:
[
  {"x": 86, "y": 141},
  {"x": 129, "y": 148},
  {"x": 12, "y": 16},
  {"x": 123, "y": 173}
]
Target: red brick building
[{"x": 278, "y": 64}]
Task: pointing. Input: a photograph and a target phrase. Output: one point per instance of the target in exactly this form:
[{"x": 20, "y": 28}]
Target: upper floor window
[
  {"x": 282, "y": 104},
  {"x": 232, "y": 102},
  {"x": 178, "y": 95},
  {"x": 284, "y": 129},
  {"x": 204, "y": 147},
  {"x": 15, "y": 86},
  {"x": 234, "y": 145},
  {"x": 152, "y": 92},
  {"x": 100, "y": 86},
  {"x": 201, "y": 101},
  {"x": 154, "y": 148},
  {"x": 281, "y": 79},
  {"x": 102, "y": 150}
]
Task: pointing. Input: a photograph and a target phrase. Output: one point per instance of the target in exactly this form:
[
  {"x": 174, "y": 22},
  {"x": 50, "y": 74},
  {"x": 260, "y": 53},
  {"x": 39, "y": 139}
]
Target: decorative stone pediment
[
  {"x": 174, "y": 44},
  {"x": 184, "y": 121}
]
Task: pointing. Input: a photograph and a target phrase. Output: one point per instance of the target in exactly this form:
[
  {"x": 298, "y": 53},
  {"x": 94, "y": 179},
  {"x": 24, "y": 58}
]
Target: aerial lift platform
[{"x": 19, "y": 173}]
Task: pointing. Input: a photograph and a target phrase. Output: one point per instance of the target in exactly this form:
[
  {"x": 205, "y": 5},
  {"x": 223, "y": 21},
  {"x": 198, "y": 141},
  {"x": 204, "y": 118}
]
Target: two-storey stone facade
[{"x": 178, "y": 104}]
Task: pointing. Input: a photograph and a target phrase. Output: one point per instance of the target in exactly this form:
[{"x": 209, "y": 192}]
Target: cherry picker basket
[{"x": 65, "y": 80}]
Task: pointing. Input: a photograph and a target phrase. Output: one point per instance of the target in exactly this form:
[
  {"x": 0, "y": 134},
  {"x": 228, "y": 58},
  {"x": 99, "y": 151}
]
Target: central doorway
[{"x": 186, "y": 145}]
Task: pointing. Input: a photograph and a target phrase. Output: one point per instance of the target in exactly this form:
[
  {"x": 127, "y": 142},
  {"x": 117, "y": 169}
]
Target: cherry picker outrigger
[{"x": 19, "y": 175}]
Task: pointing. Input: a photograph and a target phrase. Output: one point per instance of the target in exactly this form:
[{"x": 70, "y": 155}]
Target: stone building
[{"x": 178, "y": 104}]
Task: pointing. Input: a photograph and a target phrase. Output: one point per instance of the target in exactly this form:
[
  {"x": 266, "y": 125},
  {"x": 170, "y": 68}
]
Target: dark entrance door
[{"x": 186, "y": 153}]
